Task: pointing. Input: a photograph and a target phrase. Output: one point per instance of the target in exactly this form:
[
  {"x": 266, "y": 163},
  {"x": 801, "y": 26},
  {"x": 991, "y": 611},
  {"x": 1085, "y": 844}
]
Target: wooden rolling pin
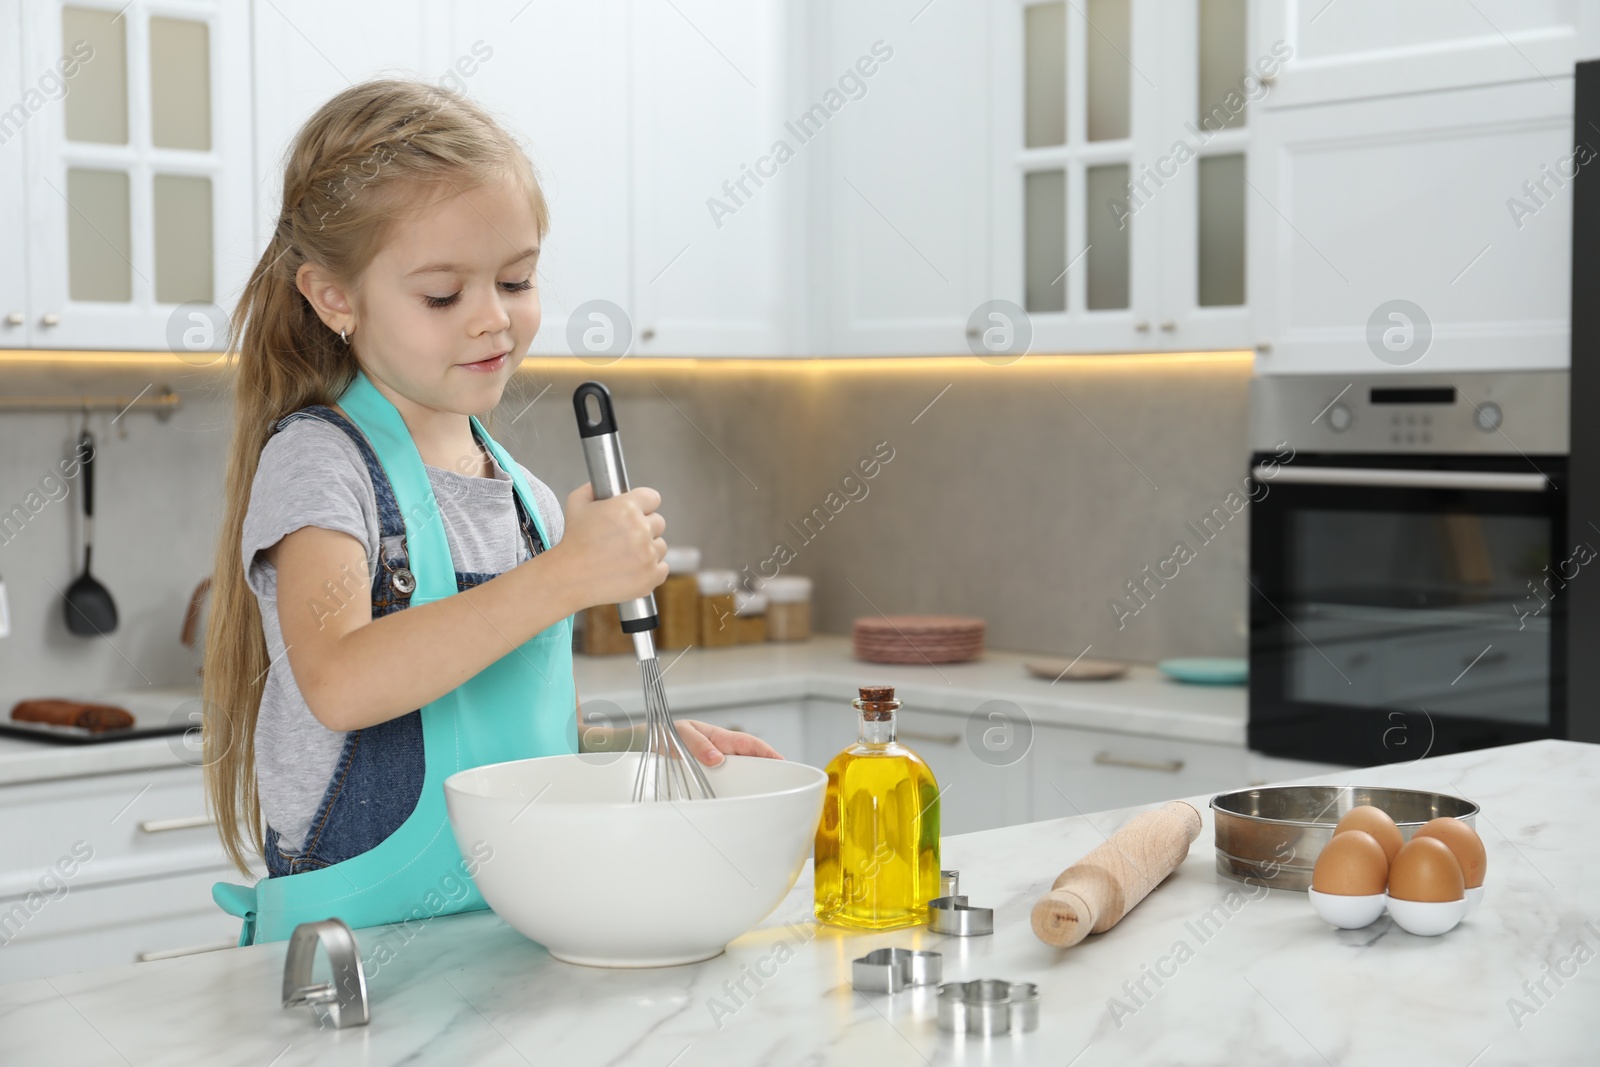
[{"x": 1093, "y": 895}]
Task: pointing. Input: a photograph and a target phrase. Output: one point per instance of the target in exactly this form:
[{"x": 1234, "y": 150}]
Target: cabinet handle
[
  {"x": 159, "y": 826},
  {"x": 1166, "y": 766},
  {"x": 14, "y": 319},
  {"x": 938, "y": 739},
  {"x": 1264, "y": 347},
  {"x": 174, "y": 953},
  {"x": 1143, "y": 326},
  {"x": 1168, "y": 326},
  {"x": 50, "y": 318},
  {"x": 647, "y": 334}
]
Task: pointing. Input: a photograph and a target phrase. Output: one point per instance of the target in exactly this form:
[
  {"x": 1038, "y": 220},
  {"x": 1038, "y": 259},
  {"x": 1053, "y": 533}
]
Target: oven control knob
[
  {"x": 1488, "y": 417},
  {"x": 1340, "y": 417}
]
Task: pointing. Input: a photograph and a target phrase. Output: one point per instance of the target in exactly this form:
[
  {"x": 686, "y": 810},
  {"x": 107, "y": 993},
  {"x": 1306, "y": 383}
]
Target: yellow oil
[{"x": 877, "y": 846}]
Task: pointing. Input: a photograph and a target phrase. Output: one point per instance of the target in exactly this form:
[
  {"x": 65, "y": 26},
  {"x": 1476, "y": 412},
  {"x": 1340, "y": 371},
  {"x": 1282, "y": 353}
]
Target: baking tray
[{"x": 156, "y": 713}]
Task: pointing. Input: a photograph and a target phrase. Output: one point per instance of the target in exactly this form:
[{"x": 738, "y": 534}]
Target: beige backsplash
[{"x": 1028, "y": 495}]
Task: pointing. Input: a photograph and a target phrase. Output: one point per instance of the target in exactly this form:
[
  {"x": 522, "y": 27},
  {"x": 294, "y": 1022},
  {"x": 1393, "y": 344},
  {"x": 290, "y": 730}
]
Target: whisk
[{"x": 666, "y": 769}]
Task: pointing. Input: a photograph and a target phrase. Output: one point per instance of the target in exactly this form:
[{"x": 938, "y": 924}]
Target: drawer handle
[
  {"x": 161, "y": 826},
  {"x": 938, "y": 739},
  {"x": 1166, "y": 766},
  {"x": 193, "y": 950}
]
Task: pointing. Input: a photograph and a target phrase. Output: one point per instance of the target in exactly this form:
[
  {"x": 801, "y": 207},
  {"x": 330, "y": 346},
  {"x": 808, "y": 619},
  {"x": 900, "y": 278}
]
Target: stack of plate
[{"x": 918, "y": 639}]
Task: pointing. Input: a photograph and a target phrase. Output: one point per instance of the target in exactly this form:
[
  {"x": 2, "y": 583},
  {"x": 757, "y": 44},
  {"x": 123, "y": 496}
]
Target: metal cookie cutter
[
  {"x": 988, "y": 1007},
  {"x": 343, "y": 1000},
  {"x": 953, "y": 915},
  {"x": 889, "y": 970},
  {"x": 949, "y": 883}
]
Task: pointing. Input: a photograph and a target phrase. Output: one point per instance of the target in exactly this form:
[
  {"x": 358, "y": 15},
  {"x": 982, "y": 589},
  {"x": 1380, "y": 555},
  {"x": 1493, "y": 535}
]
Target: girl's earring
[{"x": 342, "y": 337}]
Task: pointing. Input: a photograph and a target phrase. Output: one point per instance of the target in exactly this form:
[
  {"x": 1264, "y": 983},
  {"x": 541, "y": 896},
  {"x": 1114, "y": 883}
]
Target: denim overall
[{"x": 380, "y": 848}]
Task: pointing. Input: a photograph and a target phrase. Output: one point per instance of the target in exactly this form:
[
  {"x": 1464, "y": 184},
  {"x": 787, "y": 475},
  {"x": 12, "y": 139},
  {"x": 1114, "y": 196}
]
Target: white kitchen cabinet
[
  {"x": 134, "y": 825},
  {"x": 711, "y": 192},
  {"x": 1120, "y": 137},
  {"x": 779, "y": 725},
  {"x": 1076, "y": 772},
  {"x": 634, "y": 115},
  {"x": 307, "y": 51},
  {"x": 111, "y": 925},
  {"x": 1367, "y": 49},
  {"x": 558, "y": 76},
  {"x": 829, "y": 727},
  {"x": 1262, "y": 769},
  {"x": 974, "y": 794},
  {"x": 902, "y": 173},
  {"x": 1458, "y": 202},
  {"x": 137, "y": 180},
  {"x": 105, "y": 869},
  {"x": 14, "y": 318}
]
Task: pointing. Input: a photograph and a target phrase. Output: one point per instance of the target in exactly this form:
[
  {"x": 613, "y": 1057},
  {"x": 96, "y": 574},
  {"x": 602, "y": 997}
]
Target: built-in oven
[{"x": 1408, "y": 553}]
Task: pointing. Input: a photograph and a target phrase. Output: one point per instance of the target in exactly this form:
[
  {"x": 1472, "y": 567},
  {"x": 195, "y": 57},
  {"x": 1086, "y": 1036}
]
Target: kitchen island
[{"x": 1204, "y": 971}]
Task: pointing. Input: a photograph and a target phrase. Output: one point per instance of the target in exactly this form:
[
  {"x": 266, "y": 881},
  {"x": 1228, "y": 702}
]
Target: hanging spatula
[{"x": 89, "y": 609}]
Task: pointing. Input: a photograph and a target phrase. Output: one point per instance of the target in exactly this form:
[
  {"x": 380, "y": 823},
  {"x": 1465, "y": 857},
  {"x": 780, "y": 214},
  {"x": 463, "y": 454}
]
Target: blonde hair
[{"x": 373, "y": 154}]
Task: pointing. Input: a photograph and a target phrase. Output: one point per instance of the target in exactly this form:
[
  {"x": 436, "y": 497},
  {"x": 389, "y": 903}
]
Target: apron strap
[{"x": 240, "y": 902}]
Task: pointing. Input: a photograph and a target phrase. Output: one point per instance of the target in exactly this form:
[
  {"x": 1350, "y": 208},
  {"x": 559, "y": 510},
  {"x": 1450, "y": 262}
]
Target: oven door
[{"x": 1407, "y": 606}]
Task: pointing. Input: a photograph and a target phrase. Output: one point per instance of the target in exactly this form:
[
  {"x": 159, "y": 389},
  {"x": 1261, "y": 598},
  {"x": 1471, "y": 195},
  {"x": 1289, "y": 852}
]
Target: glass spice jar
[
  {"x": 678, "y": 600},
  {"x": 716, "y": 608},
  {"x": 788, "y": 608}
]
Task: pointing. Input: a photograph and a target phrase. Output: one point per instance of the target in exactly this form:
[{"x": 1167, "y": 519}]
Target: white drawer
[
  {"x": 111, "y": 925},
  {"x": 974, "y": 794},
  {"x": 779, "y": 725},
  {"x": 1076, "y": 772},
  {"x": 138, "y": 824}
]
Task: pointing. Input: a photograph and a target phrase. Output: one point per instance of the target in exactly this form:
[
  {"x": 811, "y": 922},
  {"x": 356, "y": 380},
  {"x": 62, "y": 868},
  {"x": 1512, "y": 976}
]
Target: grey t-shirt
[{"x": 312, "y": 474}]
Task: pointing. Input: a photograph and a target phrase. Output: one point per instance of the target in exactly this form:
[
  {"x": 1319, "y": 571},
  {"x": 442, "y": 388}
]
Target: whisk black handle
[{"x": 602, "y": 453}]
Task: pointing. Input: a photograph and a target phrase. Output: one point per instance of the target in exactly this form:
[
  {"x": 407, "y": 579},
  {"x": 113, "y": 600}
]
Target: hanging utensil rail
[{"x": 162, "y": 404}]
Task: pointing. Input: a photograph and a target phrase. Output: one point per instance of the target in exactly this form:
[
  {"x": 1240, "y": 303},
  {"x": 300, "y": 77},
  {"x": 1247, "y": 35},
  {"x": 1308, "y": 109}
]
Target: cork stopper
[{"x": 877, "y": 702}]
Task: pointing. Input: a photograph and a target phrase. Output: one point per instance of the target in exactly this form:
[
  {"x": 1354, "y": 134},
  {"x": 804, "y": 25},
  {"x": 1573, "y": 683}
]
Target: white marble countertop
[
  {"x": 1143, "y": 702},
  {"x": 1261, "y": 981}
]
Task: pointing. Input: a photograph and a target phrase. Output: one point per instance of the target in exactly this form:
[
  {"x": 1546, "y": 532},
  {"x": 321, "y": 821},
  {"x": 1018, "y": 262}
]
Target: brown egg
[
  {"x": 1351, "y": 865},
  {"x": 1464, "y": 842},
  {"x": 1426, "y": 871},
  {"x": 1376, "y": 822}
]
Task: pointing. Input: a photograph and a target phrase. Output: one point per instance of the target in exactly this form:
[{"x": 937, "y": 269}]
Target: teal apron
[{"x": 520, "y": 706}]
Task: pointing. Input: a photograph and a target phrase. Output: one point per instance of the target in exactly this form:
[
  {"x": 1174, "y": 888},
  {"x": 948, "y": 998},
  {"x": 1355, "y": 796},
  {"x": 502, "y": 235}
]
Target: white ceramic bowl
[
  {"x": 1427, "y": 919},
  {"x": 602, "y": 881},
  {"x": 1474, "y": 898},
  {"x": 1348, "y": 913}
]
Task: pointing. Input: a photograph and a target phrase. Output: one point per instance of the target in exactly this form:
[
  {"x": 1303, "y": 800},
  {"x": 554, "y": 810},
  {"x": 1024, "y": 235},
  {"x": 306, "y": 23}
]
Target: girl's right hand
[{"x": 612, "y": 549}]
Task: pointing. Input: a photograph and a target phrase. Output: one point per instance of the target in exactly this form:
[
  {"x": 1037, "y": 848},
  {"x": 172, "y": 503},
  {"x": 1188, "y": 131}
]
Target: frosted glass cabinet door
[
  {"x": 1121, "y": 130},
  {"x": 1074, "y": 101},
  {"x": 1211, "y": 96},
  {"x": 138, "y": 172}
]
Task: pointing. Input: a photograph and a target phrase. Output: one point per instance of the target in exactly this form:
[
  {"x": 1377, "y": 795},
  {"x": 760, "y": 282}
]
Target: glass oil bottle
[{"x": 877, "y": 846}]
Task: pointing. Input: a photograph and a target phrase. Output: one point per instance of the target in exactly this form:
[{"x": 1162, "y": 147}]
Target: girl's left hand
[{"x": 708, "y": 743}]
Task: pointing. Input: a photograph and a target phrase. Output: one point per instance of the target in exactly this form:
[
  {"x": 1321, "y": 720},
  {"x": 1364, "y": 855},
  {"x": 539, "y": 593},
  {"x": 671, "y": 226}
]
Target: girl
[{"x": 392, "y": 592}]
